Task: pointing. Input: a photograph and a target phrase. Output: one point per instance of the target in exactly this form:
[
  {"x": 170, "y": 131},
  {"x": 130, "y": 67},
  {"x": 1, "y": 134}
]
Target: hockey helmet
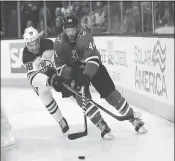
[
  {"x": 70, "y": 25},
  {"x": 32, "y": 39},
  {"x": 70, "y": 20}
]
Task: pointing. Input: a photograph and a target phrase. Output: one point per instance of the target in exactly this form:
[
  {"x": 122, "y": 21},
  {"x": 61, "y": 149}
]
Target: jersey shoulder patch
[
  {"x": 84, "y": 39},
  {"x": 58, "y": 41},
  {"x": 59, "y": 38},
  {"x": 82, "y": 33}
]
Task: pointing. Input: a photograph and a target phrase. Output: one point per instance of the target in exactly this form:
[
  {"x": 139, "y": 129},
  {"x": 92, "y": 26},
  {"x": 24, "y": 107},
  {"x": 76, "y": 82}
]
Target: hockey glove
[
  {"x": 83, "y": 80},
  {"x": 49, "y": 71},
  {"x": 56, "y": 82},
  {"x": 71, "y": 83},
  {"x": 66, "y": 93}
]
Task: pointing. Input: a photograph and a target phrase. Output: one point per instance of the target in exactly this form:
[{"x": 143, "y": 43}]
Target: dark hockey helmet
[
  {"x": 70, "y": 26},
  {"x": 70, "y": 20}
]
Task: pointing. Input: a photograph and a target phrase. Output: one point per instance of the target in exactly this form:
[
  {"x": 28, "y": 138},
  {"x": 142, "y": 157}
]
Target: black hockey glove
[
  {"x": 56, "y": 82},
  {"x": 49, "y": 71},
  {"x": 83, "y": 80},
  {"x": 66, "y": 93}
]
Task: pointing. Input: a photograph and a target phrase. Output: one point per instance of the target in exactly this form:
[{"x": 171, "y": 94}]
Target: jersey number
[
  {"x": 91, "y": 45},
  {"x": 29, "y": 66}
]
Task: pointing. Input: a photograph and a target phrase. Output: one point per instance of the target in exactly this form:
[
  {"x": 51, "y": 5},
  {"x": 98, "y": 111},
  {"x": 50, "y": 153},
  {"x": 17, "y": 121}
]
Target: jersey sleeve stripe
[
  {"x": 91, "y": 57},
  {"x": 93, "y": 62},
  {"x": 32, "y": 77},
  {"x": 30, "y": 74}
]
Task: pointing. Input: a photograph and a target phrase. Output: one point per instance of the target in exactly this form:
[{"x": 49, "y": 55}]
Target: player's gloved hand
[
  {"x": 71, "y": 83},
  {"x": 83, "y": 80},
  {"x": 49, "y": 71},
  {"x": 66, "y": 93},
  {"x": 56, "y": 82}
]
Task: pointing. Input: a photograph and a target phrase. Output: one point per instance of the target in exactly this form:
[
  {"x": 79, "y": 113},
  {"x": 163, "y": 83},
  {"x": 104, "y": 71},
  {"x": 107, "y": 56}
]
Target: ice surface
[{"x": 39, "y": 138}]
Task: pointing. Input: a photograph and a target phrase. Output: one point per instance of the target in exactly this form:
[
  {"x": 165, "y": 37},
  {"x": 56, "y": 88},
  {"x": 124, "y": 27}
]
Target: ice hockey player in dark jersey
[
  {"x": 38, "y": 58},
  {"x": 77, "y": 57}
]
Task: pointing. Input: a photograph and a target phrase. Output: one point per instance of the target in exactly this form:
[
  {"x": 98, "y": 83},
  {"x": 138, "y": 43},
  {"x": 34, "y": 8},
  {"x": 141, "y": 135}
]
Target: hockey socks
[
  {"x": 116, "y": 100},
  {"x": 94, "y": 115},
  {"x": 54, "y": 110}
]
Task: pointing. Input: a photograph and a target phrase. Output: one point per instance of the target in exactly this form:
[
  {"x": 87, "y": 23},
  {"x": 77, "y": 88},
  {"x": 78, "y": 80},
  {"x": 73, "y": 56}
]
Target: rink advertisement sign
[
  {"x": 143, "y": 65},
  {"x": 113, "y": 58},
  {"x": 150, "y": 67},
  {"x": 154, "y": 68},
  {"x": 16, "y": 50}
]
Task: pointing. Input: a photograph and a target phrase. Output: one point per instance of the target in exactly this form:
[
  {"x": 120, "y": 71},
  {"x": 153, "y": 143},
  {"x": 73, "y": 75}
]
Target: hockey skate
[
  {"x": 106, "y": 133},
  {"x": 138, "y": 123},
  {"x": 64, "y": 126}
]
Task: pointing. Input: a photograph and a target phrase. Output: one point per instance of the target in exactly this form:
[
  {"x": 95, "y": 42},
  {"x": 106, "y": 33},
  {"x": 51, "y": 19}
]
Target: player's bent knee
[
  {"x": 39, "y": 80},
  {"x": 45, "y": 94},
  {"x": 103, "y": 82},
  {"x": 113, "y": 98},
  {"x": 44, "y": 90}
]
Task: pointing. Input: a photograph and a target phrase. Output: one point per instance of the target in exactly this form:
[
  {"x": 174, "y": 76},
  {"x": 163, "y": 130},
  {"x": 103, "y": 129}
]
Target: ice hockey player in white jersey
[{"x": 38, "y": 58}]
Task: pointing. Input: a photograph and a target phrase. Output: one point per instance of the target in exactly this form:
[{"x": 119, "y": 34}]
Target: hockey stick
[
  {"x": 119, "y": 118},
  {"x": 74, "y": 136}
]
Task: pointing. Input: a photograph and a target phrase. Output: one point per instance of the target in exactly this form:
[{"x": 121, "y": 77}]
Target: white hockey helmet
[
  {"x": 30, "y": 34},
  {"x": 32, "y": 39}
]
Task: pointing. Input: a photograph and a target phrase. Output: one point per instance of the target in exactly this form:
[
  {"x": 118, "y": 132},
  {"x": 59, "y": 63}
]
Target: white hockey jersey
[{"x": 37, "y": 64}]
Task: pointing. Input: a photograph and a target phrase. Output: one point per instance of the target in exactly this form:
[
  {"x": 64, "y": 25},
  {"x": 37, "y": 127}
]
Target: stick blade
[{"x": 77, "y": 135}]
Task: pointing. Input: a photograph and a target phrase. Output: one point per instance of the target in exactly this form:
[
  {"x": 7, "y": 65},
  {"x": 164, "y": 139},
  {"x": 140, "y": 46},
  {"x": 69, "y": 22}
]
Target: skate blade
[
  {"x": 109, "y": 136},
  {"x": 142, "y": 130}
]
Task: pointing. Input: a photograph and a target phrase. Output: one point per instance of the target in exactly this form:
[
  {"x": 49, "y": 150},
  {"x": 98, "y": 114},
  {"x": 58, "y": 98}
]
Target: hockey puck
[{"x": 81, "y": 157}]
